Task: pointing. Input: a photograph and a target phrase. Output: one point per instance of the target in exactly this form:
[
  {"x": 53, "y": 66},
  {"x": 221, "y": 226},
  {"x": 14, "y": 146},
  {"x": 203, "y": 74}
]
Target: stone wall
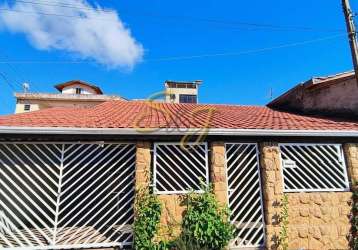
[
  {"x": 351, "y": 154},
  {"x": 143, "y": 164},
  {"x": 317, "y": 220},
  {"x": 173, "y": 206},
  {"x": 272, "y": 191},
  {"x": 172, "y": 213},
  {"x": 218, "y": 172}
]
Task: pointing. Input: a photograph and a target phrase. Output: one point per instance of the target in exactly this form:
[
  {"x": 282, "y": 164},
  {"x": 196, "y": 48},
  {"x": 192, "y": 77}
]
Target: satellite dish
[{"x": 26, "y": 87}]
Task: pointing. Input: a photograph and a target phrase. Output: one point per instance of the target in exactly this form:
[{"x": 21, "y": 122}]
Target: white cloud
[{"x": 92, "y": 34}]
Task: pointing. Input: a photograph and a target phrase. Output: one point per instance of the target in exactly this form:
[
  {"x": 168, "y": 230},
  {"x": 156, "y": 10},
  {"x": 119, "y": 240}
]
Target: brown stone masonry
[
  {"x": 317, "y": 220},
  {"x": 272, "y": 191},
  {"x": 351, "y": 154},
  {"x": 172, "y": 204},
  {"x": 143, "y": 161},
  {"x": 218, "y": 172},
  {"x": 173, "y": 207},
  {"x": 172, "y": 213}
]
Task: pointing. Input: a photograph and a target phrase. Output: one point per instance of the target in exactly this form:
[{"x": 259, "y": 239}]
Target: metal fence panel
[
  {"x": 66, "y": 195},
  {"x": 313, "y": 167},
  {"x": 245, "y": 194},
  {"x": 178, "y": 170}
]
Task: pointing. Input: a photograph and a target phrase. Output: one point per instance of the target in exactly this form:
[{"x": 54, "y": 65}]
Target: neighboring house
[
  {"x": 335, "y": 95},
  {"x": 182, "y": 92},
  {"x": 72, "y": 94},
  {"x": 68, "y": 175}
]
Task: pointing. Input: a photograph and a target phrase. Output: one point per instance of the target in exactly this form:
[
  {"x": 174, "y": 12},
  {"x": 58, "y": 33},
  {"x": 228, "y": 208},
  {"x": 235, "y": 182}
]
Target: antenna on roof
[
  {"x": 198, "y": 81},
  {"x": 26, "y": 87}
]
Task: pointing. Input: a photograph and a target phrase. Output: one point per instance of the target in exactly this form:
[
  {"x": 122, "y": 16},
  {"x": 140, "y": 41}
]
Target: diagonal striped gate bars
[
  {"x": 179, "y": 170},
  {"x": 66, "y": 195},
  {"x": 313, "y": 167},
  {"x": 245, "y": 197}
]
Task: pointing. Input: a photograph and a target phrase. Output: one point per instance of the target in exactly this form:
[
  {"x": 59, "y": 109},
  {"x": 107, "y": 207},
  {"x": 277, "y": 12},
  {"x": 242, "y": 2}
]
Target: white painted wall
[
  {"x": 72, "y": 89},
  {"x": 179, "y": 91}
]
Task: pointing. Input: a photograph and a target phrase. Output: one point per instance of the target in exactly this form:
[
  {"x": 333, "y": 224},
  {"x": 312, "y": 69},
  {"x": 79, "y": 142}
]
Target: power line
[
  {"x": 18, "y": 73},
  {"x": 233, "y": 23},
  {"x": 14, "y": 69},
  {"x": 63, "y": 5},
  {"x": 175, "y": 58},
  {"x": 248, "y": 51},
  {"x": 7, "y": 81},
  {"x": 54, "y": 14}
]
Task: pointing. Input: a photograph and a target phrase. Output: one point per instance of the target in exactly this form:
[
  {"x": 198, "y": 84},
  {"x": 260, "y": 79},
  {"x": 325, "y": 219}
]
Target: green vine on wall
[
  {"x": 354, "y": 217},
  {"x": 206, "y": 224},
  {"x": 147, "y": 213},
  {"x": 283, "y": 236}
]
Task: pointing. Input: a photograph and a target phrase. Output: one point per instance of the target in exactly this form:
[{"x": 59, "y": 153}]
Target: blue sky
[{"x": 169, "y": 34}]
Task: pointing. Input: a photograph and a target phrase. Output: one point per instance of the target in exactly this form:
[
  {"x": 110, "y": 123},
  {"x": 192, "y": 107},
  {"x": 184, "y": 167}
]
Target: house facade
[
  {"x": 74, "y": 93},
  {"x": 68, "y": 175},
  {"x": 334, "y": 95}
]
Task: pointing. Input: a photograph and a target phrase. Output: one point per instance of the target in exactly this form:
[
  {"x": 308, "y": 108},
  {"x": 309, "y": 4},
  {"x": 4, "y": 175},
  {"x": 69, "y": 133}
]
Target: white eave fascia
[{"x": 171, "y": 131}]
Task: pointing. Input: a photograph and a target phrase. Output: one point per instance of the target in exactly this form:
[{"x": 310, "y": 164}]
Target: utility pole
[{"x": 352, "y": 36}]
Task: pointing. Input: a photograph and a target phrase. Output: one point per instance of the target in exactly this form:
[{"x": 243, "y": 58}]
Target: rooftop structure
[
  {"x": 74, "y": 93},
  {"x": 182, "y": 92}
]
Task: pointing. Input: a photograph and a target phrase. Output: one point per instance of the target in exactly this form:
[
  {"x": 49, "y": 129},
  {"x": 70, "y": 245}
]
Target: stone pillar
[
  {"x": 351, "y": 154},
  {"x": 272, "y": 191},
  {"x": 218, "y": 172},
  {"x": 143, "y": 164},
  {"x": 171, "y": 218}
]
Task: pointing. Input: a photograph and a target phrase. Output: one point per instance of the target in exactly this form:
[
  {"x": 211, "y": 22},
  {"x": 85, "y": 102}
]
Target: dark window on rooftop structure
[
  {"x": 181, "y": 85},
  {"x": 78, "y": 91},
  {"x": 171, "y": 85},
  {"x": 27, "y": 107},
  {"x": 191, "y": 86},
  {"x": 187, "y": 99}
]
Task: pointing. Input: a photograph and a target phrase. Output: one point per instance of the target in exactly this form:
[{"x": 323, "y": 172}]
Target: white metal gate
[
  {"x": 245, "y": 195},
  {"x": 66, "y": 195}
]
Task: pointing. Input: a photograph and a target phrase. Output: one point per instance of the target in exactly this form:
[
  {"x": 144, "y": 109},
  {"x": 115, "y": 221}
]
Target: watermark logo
[{"x": 201, "y": 116}]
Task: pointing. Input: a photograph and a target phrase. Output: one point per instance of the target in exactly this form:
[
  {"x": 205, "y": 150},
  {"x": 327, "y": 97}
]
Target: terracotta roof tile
[{"x": 133, "y": 114}]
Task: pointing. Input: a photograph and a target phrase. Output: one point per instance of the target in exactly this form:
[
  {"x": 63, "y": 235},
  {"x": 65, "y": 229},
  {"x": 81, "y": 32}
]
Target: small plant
[
  {"x": 283, "y": 236},
  {"x": 147, "y": 216},
  {"x": 354, "y": 217},
  {"x": 182, "y": 243},
  {"x": 205, "y": 224}
]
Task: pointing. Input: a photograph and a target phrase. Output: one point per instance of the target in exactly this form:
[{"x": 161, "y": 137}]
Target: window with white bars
[
  {"x": 180, "y": 169},
  {"x": 313, "y": 167}
]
